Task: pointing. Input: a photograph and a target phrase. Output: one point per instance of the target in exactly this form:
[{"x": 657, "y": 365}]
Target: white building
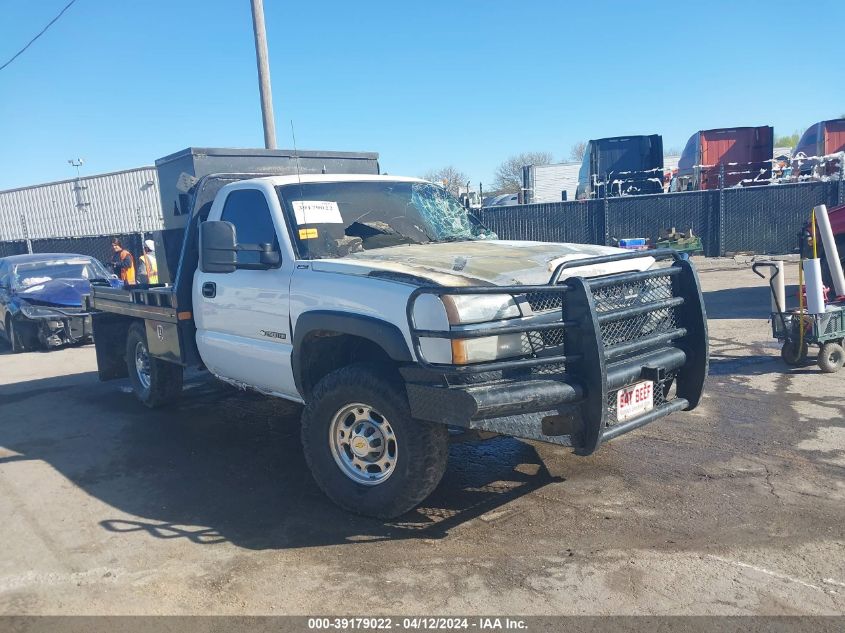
[{"x": 116, "y": 203}]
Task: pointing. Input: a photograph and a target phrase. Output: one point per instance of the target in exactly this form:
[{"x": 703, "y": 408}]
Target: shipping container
[
  {"x": 626, "y": 165},
  {"x": 745, "y": 153},
  {"x": 121, "y": 202}
]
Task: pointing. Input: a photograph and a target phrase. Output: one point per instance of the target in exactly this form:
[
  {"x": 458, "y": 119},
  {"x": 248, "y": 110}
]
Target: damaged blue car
[{"x": 41, "y": 299}]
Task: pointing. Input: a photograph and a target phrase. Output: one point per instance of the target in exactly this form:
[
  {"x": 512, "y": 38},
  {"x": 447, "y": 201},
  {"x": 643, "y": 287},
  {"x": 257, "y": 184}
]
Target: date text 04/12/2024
[{"x": 417, "y": 623}]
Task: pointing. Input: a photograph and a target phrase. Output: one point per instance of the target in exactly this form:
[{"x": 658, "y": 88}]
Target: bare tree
[
  {"x": 577, "y": 152},
  {"x": 508, "y": 176},
  {"x": 452, "y": 179}
]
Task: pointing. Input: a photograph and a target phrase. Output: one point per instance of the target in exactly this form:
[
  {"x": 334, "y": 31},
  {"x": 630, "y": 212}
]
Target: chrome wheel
[
  {"x": 363, "y": 444},
  {"x": 142, "y": 364}
]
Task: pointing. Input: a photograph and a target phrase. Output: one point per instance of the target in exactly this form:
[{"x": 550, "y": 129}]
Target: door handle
[{"x": 209, "y": 290}]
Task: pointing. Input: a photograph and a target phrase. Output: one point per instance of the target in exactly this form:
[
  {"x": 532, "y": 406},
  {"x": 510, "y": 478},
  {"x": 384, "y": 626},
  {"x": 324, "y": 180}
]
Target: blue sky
[{"x": 425, "y": 84}]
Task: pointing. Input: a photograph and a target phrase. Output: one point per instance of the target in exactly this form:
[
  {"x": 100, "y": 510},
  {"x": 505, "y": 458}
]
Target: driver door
[{"x": 242, "y": 317}]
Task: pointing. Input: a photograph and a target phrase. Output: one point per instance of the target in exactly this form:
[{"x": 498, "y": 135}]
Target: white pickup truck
[{"x": 391, "y": 313}]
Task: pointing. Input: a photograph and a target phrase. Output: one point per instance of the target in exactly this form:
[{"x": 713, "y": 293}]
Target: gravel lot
[{"x": 736, "y": 508}]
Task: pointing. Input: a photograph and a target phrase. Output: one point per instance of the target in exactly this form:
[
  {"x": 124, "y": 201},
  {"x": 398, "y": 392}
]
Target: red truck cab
[
  {"x": 745, "y": 153},
  {"x": 822, "y": 139}
]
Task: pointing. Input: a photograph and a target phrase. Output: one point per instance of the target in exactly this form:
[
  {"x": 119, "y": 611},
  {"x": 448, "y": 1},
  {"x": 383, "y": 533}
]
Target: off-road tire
[
  {"x": 792, "y": 355},
  {"x": 165, "y": 378},
  {"x": 831, "y": 357},
  {"x": 423, "y": 447},
  {"x": 19, "y": 339}
]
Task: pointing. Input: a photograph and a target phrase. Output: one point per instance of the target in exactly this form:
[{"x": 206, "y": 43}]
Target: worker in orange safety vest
[{"x": 122, "y": 263}]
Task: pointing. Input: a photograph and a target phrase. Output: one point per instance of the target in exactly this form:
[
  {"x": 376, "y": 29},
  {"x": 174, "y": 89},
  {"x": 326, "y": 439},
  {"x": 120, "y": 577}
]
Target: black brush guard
[{"x": 588, "y": 338}]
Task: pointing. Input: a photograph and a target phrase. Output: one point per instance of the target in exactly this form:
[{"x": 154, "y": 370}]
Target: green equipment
[{"x": 680, "y": 242}]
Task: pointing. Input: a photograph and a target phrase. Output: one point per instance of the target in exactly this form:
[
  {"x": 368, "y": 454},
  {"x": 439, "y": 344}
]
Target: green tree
[{"x": 788, "y": 141}]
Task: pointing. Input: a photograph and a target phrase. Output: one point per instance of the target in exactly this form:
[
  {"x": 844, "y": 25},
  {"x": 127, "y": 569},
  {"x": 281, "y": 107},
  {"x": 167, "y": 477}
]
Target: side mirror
[
  {"x": 218, "y": 250},
  {"x": 268, "y": 257}
]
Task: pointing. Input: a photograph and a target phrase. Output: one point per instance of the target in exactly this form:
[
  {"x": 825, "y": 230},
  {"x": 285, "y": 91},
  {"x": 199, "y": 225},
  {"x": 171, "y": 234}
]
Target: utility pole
[{"x": 263, "y": 74}]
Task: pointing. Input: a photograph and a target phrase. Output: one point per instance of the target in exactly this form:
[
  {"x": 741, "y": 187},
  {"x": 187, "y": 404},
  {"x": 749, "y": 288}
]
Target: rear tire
[
  {"x": 154, "y": 382},
  {"x": 396, "y": 462},
  {"x": 792, "y": 355},
  {"x": 831, "y": 357}
]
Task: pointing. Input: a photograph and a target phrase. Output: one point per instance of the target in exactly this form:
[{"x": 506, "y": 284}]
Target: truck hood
[
  {"x": 66, "y": 293},
  {"x": 483, "y": 262}
]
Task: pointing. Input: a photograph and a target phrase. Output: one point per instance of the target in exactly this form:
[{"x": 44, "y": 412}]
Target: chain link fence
[
  {"x": 12, "y": 248},
  {"x": 648, "y": 216},
  {"x": 98, "y": 247},
  {"x": 758, "y": 220},
  {"x": 579, "y": 222},
  {"x": 767, "y": 219}
]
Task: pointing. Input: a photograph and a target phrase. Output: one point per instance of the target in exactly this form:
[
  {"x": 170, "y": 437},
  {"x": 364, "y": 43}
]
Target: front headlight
[
  {"x": 36, "y": 312},
  {"x": 457, "y": 313},
  {"x": 479, "y": 309},
  {"x": 464, "y": 309}
]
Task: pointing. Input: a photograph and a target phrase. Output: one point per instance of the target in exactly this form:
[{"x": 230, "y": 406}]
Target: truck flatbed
[{"x": 157, "y": 303}]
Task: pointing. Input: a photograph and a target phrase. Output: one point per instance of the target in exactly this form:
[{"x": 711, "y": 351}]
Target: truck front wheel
[
  {"x": 155, "y": 382},
  {"x": 363, "y": 448}
]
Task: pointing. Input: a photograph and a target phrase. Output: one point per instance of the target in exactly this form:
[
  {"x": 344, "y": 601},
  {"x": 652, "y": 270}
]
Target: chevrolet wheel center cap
[{"x": 360, "y": 446}]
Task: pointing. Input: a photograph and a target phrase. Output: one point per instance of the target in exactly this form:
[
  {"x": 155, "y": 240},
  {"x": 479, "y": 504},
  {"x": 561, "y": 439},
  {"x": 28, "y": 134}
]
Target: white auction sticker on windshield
[{"x": 316, "y": 212}]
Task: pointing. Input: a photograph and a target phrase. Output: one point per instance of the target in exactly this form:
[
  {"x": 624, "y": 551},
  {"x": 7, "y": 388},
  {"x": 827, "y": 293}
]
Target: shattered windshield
[
  {"x": 32, "y": 273},
  {"x": 334, "y": 219}
]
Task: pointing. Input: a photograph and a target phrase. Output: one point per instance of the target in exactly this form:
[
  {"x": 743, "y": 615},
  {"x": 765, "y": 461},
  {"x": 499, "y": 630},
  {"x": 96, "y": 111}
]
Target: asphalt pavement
[{"x": 208, "y": 507}]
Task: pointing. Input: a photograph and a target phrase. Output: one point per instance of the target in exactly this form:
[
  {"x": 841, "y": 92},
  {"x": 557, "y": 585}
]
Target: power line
[{"x": 44, "y": 30}]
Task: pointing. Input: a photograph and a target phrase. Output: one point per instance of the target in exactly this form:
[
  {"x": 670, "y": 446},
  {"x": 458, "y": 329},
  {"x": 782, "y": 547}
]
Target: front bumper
[
  {"x": 63, "y": 327},
  {"x": 612, "y": 332}
]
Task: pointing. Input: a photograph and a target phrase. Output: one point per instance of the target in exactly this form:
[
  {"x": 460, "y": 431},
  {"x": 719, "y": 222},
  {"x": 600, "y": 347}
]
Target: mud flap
[{"x": 110, "y": 333}]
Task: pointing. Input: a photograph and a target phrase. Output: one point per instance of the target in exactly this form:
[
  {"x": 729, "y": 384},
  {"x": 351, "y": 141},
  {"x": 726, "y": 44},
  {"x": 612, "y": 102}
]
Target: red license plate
[{"x": 634, "y": 400}]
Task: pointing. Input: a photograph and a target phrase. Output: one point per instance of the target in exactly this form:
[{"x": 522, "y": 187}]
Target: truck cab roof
[{"x": 279, "y": 181}]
